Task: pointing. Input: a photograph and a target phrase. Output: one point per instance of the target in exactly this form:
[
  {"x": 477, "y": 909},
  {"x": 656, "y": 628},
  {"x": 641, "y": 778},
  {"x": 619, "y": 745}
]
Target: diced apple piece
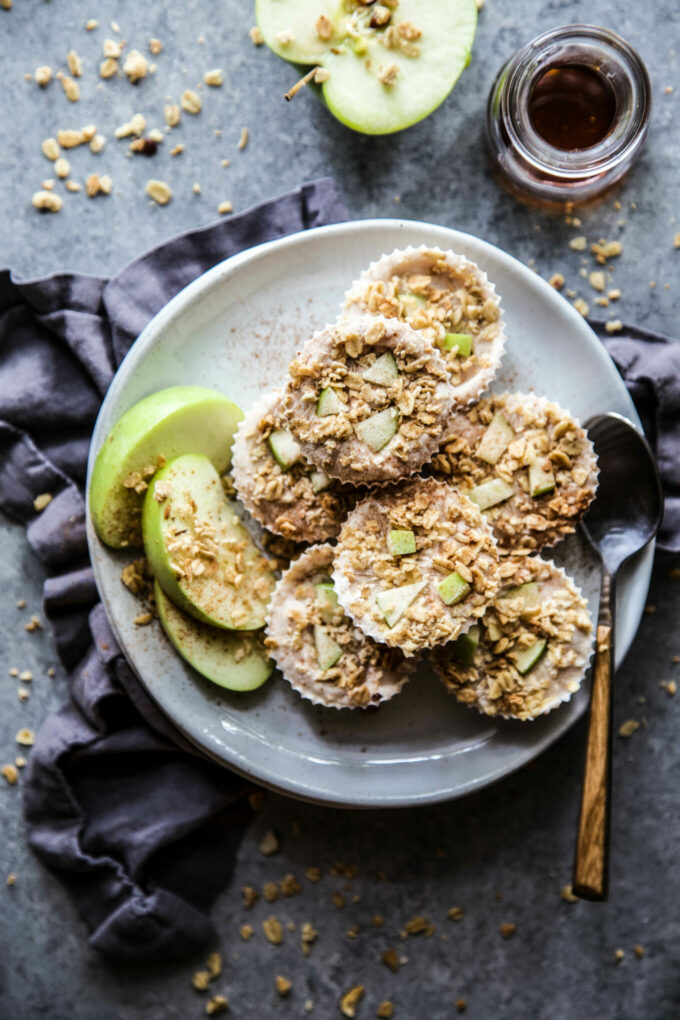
[
  {"x": 165, "y": 425},
  {"x": 495, "y": 440},
  {"x": 527, "y": 595},
  {"x": 201, "y": 555},
  {"x": 411, "y": 302},
  {"x": 329, "y": 403},
  {"x": 466, "y": 645},
  {"x": 383, "y": 371},
  {"x": 453, "y": 589},
  {"x": 526, "y": 658},
  {"x": 377, "y": 430},
  {"x": 327, "y": 598},
  {"x": 229, "y": 659},
  {"x": 490, "y": 493},
  {"x": 541, "y": 477},
  {"x": 401, "y": 543},
  {"x": 458, "y": 343},
  {"x": 285, "y": 448},
  {"x": 319, "y": 481},
  {"x": 328, "y": 651},
  {"x": 394, "y": 602}
]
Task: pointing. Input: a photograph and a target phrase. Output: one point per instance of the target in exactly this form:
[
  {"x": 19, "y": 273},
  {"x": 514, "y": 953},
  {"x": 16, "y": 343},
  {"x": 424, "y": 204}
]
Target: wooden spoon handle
[{"x": 591, "y": 865}]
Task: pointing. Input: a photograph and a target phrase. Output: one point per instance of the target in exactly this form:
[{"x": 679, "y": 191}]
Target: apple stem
[{"x": 300, "y": 84}]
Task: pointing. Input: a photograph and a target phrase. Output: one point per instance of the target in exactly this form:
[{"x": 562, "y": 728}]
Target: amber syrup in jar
[
  {"x": 572, "y": 106},
  {"x": 568, "y": 115}
]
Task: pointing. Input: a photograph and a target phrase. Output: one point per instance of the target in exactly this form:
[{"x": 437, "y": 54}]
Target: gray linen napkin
[{"x": 139, "y": 826}]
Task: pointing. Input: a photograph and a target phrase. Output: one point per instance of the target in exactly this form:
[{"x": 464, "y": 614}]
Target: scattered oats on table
[
  {"x": 270, "y": 892},
  {"x": 158, "y": 191},
  {"x": 70, "y": 87},
  {"x": 75, "y": 64},
  {"x": 283, "y": 985},
  {"x": 200, "y": 980},
  {"x": 256, "y": 36},
  {"x": 217, "y": 1004},
  {"x": 618, "y": 955},
  {"x": 46, "y": 201},
  {"x": 628, "y": 728},
  {"x": 308, "y": 936},
  {"x": 224, "y": 208},
  {"x": 385, "y": 1010},
  {"x": 214, "y": 964},
  {"x": 567, "y": 895},
  {"x": 25, "y": 737},
  {"x": 269, "y": 844},
  {"x": 243, "y": 140},
  {"x": 391, "y": 960},
  {"x": 508, "y": 929},
  {"x": 50, "y": 149},
  {"x": 214, "y": 77},
  {"x": 191, "y": 102},
  {"x": 350, "y": 1001},
  {"x": 579, "y": 243},
  {"x": 246, "y": 932},
  {"x": 155, "y": 46},
  {"x": 172, "y": 114},
  {"x": 273, "y": 931},
  {"x": 136, "y": 66},
  {"x": 455, "y": 914},
  {"x": 250, "y": 896},
  {"x": 43, "y": 75},
  {"x": 9, "y": 774}
]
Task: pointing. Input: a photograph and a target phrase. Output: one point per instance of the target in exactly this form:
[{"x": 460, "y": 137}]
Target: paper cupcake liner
[
  {"x": 374, "y": 468},
  {"x": 389, "y": 265},
  {"x": 575, "y": 673},
  {"x": 299, "y": 667}
]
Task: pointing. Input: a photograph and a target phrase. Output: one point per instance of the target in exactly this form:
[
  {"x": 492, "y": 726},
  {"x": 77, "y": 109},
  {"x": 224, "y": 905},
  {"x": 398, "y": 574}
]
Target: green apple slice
[
  {"x": 229, "y": 659},
  {"x": 319, "y": 481},
  {"x": 328, "y": 651},
  {"x": 458, "y": 343},
  {"x": 526, "y": 658},
  {"x": 491, "y": 493},
  {"x": 466, "y": 645},
  {"x": 280, "y": 19},
  {"x": 165, "y": 425},
  {"x": 354, "y": 92},
  {"x": 200, "y": 553},
  {"x": 401, "y": 543},
  {"x": 495, "y": 440},
  {"x": 327, "y": 597},
  {"x": 377, "y": 430},
  {"x": 527, "y": 595},
  {"x": 329, "y": 403},
  {"x": 362, "y": 88},
  {"x": 285, "y": 448},
  {"x": 383, "y": 371},
  {"x": 453, "y": 589},
  {"x": 394, "y": 602},
  {"x": 541, "y": 479}
]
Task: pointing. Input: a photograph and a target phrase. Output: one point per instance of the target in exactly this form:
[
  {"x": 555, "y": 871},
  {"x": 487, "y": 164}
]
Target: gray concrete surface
[{"x": 503, "y": 855}]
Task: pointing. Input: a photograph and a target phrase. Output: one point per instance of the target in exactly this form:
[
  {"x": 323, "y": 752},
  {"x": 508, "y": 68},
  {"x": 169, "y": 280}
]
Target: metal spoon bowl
[{"x": 625, "y": 516}]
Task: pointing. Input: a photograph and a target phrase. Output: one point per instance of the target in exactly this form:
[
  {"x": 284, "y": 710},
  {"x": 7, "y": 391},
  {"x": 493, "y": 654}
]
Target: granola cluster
[
  {"x": 540, "y": 433},
  {"x": 365, "y": 674},
  {"x": 289, "y": 502},
  {"x": 336, "y": 361},
  {"x": 450, "y": 537},
  {"x": 439, "y": 294},
  {"x": 538, "y": 612}
]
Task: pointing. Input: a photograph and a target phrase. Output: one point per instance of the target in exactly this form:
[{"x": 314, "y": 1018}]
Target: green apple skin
[
  {"x": 328, "y": 651},
  {"x": 401, "y": 542},
  {"x": 214, "y": 602},
  {"x": 490, "y": 493},
  {"x": 540, "y": 480},
  {"x": 465, "y": 646},
  {"x": 459, "y": 343},
  {"x": 174, "y": 421},
  {"x": 285, "y": 449},
  {"x": 526, "y": 658},
  {"x": 216, "y": 654},
  {"x": 453, "y": 589},
  {"x": 353, "y": 93}
]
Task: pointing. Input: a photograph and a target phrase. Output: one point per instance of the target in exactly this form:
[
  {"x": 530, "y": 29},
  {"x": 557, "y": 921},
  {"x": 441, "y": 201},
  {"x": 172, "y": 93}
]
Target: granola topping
[
  {"x": 451, "y": 537},
  {"x": 365, "y": 674},
  {"x": 439, "y": 294},
  {"x": 335, "y": 362},
  {"x": 285, "y": 501},
  {"x": 519, "y": 620},
  {"x": 543, "y": 435}
]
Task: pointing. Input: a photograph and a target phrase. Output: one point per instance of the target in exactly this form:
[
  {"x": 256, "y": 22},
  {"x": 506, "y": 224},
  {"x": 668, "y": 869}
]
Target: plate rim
[{"x": 145, "y": 342}]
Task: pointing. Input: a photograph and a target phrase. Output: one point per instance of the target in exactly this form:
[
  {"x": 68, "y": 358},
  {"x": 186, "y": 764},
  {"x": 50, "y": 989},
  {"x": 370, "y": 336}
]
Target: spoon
[{"x": 625, "y": 516}]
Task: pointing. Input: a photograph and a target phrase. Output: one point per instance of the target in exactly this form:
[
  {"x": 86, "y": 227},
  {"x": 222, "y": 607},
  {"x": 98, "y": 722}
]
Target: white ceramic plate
[{"x": 235, "y": 329}]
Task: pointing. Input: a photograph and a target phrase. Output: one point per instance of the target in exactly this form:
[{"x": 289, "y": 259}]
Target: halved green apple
[
  {"x": 229, "y": 659},
  {"x": 199, "y": 552},
  {"x": 383, "y": 68},
  {"x": 162, "y": 426}
]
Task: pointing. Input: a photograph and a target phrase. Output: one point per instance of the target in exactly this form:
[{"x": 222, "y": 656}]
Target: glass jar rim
[{"x": 522, "y": 72}]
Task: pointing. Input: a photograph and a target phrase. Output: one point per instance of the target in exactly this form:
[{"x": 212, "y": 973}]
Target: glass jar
[{"x": 527, "y": 164}]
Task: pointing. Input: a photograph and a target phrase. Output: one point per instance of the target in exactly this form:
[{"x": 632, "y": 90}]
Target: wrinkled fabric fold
[{"x": 140, "y": 827}]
